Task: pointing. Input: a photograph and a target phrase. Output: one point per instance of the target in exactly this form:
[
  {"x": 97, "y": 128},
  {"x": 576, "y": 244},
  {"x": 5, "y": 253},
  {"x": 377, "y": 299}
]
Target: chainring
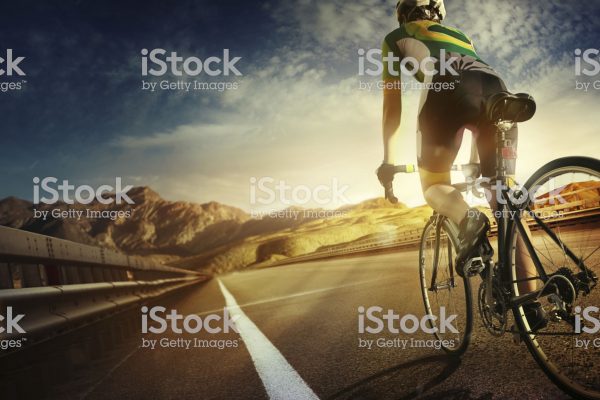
[{"x": 494, "y": 316}]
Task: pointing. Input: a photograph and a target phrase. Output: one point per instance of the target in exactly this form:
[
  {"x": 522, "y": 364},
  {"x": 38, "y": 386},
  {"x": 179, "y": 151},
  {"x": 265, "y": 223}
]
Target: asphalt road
[{"x": 302, "y": 337}]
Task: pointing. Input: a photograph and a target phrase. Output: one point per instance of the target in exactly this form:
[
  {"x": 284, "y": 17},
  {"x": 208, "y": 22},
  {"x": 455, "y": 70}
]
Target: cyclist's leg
[
  {"x": 435, "y": 162},
  {"x": 438, "y": 142}
]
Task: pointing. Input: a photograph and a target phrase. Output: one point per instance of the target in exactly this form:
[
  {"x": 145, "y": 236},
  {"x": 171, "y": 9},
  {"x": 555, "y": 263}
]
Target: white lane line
[
  {"x": 281, "y": 381},
  {"x": 299, "y": 294}
]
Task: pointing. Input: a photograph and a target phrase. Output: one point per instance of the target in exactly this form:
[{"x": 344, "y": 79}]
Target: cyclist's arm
[{"x": 392, "y": 109}]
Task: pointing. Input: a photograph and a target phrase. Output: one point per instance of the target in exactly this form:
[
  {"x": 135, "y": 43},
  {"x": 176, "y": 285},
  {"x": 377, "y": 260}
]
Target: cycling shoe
[{"x": 472, "y": 233}]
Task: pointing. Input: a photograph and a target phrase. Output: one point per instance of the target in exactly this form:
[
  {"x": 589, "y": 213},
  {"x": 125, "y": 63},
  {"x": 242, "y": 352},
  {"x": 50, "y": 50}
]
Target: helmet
[{"x": 437, "y": 5}]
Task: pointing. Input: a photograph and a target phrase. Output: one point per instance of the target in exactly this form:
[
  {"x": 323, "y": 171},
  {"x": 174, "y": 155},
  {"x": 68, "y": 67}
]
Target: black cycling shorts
[{"x": 446, "y": 113}]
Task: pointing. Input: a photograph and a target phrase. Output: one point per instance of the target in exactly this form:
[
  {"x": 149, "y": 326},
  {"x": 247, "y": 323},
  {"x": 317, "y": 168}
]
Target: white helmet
[{"x": 437, "y": 5}]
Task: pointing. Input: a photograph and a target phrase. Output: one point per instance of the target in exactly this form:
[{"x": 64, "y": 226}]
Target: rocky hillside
[
  {"x": 370, "y": 219},
  {"x": 218, "y": 238},
  {"x": 155, "y": 227},
  {"x": 212, "y": 236}
]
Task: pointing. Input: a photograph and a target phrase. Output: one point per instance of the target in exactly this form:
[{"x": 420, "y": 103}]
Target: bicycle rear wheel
[
  {"x": 565, "y": 196},
  {"x": 444, "y": 292}
]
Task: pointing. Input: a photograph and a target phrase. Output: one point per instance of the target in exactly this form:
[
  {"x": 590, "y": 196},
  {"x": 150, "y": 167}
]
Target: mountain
[
  {"x": 217, "y": 238},
  {"x": 375, "y": 218},
  {"x": 210, "y": 236},
  {"x": 155, "y": 226}
]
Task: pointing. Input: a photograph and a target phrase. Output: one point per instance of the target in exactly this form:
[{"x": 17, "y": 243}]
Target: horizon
[{"x": 251, "y": 213}]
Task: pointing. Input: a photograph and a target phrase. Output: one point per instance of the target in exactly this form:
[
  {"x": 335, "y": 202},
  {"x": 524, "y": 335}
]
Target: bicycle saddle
[{"x": 505, "y": 106}]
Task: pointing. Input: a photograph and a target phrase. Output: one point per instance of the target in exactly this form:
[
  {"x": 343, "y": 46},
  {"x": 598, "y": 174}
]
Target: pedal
[{"x": 474, "y": 267}]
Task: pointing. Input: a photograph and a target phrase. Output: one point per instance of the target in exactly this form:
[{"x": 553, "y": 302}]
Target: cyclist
[{"x": 456, "y": 83}]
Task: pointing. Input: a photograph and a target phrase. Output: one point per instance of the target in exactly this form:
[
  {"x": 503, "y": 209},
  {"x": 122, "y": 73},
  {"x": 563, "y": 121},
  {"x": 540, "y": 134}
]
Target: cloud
[
  {"x": 298, "y": 115},
  {"x": 181, "y": 136}
]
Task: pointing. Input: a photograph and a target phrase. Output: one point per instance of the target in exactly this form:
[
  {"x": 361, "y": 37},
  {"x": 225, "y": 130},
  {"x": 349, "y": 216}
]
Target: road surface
[{"x": 301, "y": 341}]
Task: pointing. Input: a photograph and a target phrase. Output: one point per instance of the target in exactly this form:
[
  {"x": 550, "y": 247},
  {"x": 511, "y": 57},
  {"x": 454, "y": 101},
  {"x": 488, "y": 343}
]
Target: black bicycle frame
[
  {"x": 506, "y": 222},
  {"x": 503, "y": 247},
  {"x": 510, "y": 215}
]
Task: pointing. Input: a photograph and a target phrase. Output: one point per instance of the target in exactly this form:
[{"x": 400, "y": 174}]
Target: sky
[{"x": 297, "y": 114}]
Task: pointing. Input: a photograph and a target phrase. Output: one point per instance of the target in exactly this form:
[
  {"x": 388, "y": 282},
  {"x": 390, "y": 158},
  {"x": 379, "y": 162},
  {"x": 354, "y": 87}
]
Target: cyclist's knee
[
  {"x": 429, "y": 182},
  {"x": 429, "y": 179}
]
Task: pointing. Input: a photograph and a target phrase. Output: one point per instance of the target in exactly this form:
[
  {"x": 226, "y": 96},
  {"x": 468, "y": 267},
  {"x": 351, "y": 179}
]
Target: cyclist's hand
[{"x": 385, "y": 174}]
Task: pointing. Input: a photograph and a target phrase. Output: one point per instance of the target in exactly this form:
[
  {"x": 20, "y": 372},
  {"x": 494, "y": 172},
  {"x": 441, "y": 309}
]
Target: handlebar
[{"x": 471, "y": 172}]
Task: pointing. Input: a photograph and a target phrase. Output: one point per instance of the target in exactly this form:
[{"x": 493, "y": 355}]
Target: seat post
[{"x": 501, "y": 143}]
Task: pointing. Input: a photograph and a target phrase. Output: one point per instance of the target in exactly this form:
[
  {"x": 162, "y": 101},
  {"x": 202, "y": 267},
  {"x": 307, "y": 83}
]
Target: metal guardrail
[
  {"x": 23, "y": 246},
  {"x": 60, "y": 285},
  {"x": 570, "y": 213}
]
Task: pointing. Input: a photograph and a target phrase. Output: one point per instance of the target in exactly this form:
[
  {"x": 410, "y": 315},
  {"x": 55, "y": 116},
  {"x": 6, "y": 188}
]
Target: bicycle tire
[
  {"x": 452, "y": 236},
  {"x": 554, "y": 372}
]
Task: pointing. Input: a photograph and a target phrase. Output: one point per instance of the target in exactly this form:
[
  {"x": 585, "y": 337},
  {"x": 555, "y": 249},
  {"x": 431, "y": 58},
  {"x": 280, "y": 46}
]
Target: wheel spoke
[
  {"x": 553, "y": 342},
  {"x": 444, "y": 294}
]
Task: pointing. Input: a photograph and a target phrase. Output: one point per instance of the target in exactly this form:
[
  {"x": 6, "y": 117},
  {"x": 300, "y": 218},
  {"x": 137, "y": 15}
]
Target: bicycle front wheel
[
  {"x": 563, "y": 215},
  {"x": 444, "y": 292}
]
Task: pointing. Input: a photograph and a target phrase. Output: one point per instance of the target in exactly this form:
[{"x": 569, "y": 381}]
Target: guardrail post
[
  {"x": 5, "y": 278},
  {"x": 31, "y": 275}
]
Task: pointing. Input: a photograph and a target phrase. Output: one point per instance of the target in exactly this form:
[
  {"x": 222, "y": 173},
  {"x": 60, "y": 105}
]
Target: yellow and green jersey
[{"x": 433, "y": 47}]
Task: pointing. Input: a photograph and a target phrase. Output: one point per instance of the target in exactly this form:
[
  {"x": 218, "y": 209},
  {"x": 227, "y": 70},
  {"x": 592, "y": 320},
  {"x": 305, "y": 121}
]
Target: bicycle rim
[
  {"x": 558, "y": 348},
  {"x": 453, "y": 296}
]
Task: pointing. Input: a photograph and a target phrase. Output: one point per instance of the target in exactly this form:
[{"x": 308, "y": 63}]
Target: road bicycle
[{"x": 553, "y": 222}]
